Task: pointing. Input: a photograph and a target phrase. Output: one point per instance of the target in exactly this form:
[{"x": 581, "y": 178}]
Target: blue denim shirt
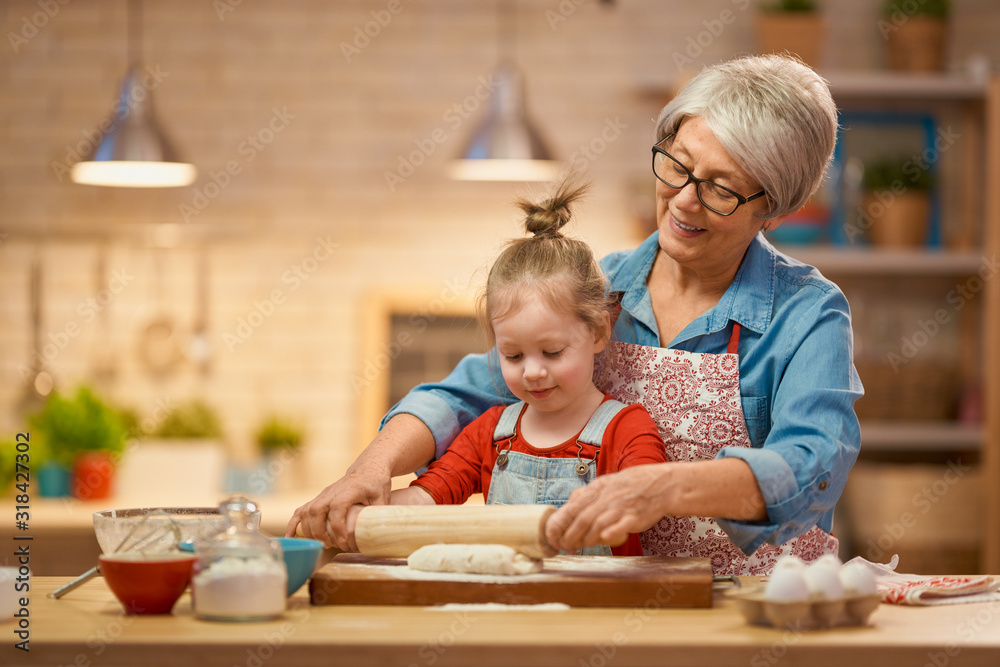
[{"x": 797, "y": 381}]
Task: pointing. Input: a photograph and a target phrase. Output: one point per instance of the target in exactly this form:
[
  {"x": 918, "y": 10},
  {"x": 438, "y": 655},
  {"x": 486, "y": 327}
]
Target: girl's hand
[{"x": 411, "y": 495}]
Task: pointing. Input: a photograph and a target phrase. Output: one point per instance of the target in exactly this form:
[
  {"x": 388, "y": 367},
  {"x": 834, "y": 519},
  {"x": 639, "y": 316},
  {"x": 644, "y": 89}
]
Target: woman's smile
[{"x": 685, "y": 229}]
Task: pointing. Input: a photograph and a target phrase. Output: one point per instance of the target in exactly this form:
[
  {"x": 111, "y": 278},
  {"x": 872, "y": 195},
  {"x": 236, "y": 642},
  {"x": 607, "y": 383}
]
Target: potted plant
[
  {"x": 191, "y": 420},
  {"x": 897, "y": 202},
  {"x": 280, "y": 441},
  {"x": 180, "y": 460},
  {"x": 277, "y": 433},
  {"x": 791, "y": 26},
  {"x": 915, "y": 34},
  {"x": 81, "y": 433}
]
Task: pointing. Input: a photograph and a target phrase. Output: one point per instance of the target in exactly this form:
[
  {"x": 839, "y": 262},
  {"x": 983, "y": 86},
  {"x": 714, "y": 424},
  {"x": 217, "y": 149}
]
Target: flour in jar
[{"x": 234, "y": 588}]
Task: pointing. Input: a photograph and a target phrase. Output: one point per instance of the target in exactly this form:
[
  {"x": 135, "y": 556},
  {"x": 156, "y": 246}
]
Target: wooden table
[{"x": 87, "y": 628}]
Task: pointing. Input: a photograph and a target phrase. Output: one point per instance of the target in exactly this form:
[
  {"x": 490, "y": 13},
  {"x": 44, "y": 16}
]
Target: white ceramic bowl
[{"x": 9, "y": 595}]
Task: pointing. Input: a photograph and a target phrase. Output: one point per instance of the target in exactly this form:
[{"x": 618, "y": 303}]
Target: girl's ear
[{"x": 603, "y": 334}]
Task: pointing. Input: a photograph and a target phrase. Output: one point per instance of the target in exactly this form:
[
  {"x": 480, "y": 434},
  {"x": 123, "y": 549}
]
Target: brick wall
[{"x": 294, "y": 120}]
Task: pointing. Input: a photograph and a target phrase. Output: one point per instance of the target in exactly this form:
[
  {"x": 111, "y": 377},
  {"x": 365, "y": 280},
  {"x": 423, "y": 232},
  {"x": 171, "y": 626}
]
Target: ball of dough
[{"x": 473, "y": 558}]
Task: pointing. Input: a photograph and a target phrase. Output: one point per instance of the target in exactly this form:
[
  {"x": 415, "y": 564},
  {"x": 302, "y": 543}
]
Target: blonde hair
[{"x": 561, "y": 270}]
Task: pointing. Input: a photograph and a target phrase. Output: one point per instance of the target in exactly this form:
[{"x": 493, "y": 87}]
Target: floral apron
[{"x": 694, "y": 398}]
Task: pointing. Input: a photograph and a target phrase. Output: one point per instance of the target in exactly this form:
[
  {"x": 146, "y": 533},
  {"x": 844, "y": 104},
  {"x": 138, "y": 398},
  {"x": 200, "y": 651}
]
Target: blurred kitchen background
[{"x": 324, "y": 244}]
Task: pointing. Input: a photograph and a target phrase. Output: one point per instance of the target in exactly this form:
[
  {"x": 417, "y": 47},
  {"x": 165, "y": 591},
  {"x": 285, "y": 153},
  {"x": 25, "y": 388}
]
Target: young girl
[{"x": 545, "y": 311}]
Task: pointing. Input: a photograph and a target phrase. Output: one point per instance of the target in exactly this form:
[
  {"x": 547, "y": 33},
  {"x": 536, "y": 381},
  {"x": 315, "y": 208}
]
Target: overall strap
[
  {"x": 593, "y": 432},
  {"x": 507, "y": 425},
  {"x": 734, "y": 339}
]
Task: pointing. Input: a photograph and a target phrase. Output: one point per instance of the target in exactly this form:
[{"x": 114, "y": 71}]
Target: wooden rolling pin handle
[{"x": 396, "y": 531}]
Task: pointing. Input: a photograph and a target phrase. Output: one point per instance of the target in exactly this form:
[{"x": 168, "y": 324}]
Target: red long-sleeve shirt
[{"x": 466, "y": 468}]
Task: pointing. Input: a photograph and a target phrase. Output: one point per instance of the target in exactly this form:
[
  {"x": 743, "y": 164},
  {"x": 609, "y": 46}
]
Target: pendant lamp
[
  {"x": 134, "y": 151},
  {"x": 506, "y": 146}
]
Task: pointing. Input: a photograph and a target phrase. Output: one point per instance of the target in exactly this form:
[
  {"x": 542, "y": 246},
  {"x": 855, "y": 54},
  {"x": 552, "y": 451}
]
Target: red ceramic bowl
[{"x": 147, "y": 583}]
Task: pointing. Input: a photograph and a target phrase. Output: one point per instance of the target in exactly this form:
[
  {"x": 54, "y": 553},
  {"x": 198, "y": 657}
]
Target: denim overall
[{"x": 522, "y": 479}]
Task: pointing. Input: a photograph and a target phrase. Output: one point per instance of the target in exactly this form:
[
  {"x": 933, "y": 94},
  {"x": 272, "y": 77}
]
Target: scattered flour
[{"x": 497, "y": 606}]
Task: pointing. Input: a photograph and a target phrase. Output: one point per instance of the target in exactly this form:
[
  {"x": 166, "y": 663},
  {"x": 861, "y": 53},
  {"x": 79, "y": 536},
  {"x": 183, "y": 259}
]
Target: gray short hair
[{"x": 773, "y": 115}]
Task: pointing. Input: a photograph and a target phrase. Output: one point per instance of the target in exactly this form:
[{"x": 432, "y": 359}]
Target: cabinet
[{"x": 927, "y": 319}]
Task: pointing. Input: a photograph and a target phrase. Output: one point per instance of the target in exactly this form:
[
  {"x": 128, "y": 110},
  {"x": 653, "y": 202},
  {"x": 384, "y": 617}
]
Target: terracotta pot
[
  {"x": 93, "y": 473},
  {"x": 917, "y": 44},
  {"x": 793, "y": 32},
  {"x": 897, "y": 220}
]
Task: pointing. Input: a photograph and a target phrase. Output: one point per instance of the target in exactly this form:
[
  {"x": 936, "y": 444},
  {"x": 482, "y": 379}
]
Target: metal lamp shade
[
  {"x": 134, "y": 151},
  {"x": 506, "y": 146}
]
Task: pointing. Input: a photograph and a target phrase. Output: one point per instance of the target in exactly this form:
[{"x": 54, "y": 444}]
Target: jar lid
[{"x": 241, "y": 537}]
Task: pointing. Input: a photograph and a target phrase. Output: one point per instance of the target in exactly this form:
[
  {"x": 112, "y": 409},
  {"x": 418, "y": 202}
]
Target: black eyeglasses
[{"x": 716, "y": 198}]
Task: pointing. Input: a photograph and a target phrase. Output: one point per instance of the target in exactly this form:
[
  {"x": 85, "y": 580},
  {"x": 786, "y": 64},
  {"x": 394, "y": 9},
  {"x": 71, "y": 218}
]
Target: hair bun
[{"x": 545, "y": 219}]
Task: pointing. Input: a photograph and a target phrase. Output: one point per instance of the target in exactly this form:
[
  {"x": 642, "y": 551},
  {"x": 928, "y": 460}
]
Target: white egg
[
  {"x": 793, "y": 562},
  {"x": 787, "y": 583},
  {"x": 828, "y": 559},
  {"x": 857, "y": 579},
  {"x": 823, "y": 579}
]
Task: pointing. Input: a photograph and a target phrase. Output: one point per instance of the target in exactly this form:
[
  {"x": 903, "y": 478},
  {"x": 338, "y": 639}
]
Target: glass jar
[{"x": 240, "y": 574}]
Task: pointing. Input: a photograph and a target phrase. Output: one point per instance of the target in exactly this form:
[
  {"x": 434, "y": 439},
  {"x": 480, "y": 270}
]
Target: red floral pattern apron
[{"x": 694, "y": 398}]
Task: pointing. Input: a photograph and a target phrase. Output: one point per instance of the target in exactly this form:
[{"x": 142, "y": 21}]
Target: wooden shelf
[
  {"x": 903, "y": 86},
  {"x": 870, "y": 261},
  {"x": 868, "y": 84},
  {"x": 143, "y": 235},
  {"x": 973, "y": 104},
  {"x": 892, "y": 436}
]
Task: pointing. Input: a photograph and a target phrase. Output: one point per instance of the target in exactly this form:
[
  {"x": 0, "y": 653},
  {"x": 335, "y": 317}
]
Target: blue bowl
[{"x": 301, "y": 557}]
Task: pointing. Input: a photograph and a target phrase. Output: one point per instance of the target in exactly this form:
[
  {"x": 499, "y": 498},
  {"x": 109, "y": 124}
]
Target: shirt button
[{"x": 822, "y": 485}]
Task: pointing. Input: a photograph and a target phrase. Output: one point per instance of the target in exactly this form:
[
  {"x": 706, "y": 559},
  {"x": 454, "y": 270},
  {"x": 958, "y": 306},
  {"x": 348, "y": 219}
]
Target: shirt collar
[
  {"x": 636, "y": 295},
  {"x": 749, "y": 300}
]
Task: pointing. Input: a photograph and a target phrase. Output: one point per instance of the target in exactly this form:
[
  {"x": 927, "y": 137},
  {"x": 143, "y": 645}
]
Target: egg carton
[{"x": 817, "y": 613}]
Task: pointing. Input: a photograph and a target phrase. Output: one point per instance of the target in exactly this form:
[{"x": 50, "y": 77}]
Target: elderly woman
[{"x": 741, "y": 354}]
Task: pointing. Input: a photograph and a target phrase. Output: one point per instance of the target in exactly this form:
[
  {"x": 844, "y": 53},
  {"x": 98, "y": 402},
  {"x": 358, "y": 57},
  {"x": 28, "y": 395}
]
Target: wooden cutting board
[{"x": 578, "y": 581}]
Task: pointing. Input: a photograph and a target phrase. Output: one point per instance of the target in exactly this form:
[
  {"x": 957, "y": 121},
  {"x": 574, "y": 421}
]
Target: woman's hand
[
  {"x": 633, "y": 500},
  {"x": 403, "y": 445},
  {"x": 330, "y": 516},
  {"x": 609, "y": 508}
]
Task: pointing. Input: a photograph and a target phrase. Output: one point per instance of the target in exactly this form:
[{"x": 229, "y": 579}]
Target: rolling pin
[{"x": 396, "y": 531}]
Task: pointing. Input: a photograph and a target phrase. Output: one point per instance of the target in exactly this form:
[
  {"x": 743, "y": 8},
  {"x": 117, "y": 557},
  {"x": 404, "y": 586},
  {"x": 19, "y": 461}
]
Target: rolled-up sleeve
[{"x": 814, "y": 435}]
